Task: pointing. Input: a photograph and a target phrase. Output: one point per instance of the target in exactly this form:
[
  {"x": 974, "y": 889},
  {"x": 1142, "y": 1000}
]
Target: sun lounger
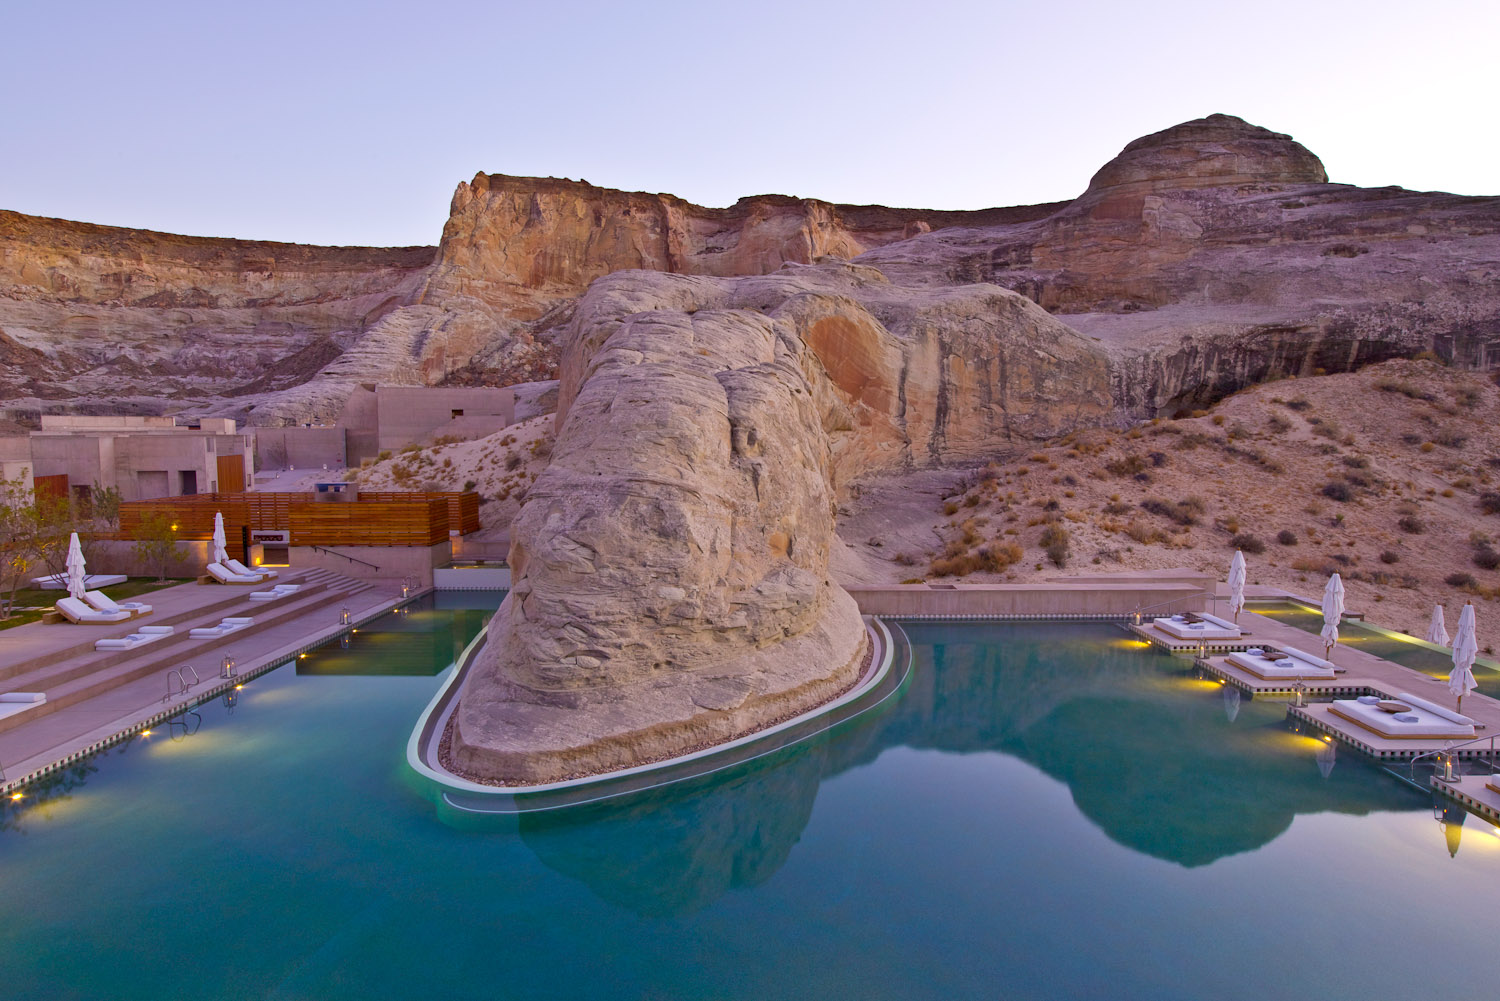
[
  {"x": 1426, "y": 719},
  {"x": 224, "y": 575},
  {"x": 142, "y": 636},
  {"x": 235, "y": 566},
  {"x": 105, "y": 603},
  {"x": 1206, "y": 627},
  {"x": 279, "y": 591},
  {"x": 59, "y": 581},
  {"x": 1285, "y": 665},
  {"x": 76, "y": 611},
  {"x": 12, "y": 703},
  {"x": 224, "y": 628}
]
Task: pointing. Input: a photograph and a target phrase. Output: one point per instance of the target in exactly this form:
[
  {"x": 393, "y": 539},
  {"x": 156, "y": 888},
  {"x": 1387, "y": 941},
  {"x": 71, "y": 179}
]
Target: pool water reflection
[{"x": 1046, "y": 812}]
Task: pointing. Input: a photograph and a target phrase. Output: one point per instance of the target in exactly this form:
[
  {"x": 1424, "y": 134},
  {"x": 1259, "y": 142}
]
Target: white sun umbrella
[
  {"x": 1333, "y": 612},
  {"x": 220, "y": 553},
  {"x": 1465, "y": 648},
  {"x": 1237, "y": 584},
  {"x": 77, "y": 577},
  {"x": 1437, "y": 630}
]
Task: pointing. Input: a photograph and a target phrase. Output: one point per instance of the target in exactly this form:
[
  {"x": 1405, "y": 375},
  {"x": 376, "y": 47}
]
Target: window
[{"x": 457, "y": 414}]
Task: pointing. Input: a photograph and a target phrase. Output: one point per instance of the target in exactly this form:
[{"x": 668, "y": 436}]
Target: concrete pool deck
[{"x": 114, "y": 693}]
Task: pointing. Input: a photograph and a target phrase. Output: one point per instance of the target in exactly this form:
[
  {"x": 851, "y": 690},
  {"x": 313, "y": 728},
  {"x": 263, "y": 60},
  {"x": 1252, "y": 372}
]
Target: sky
[{"x": 351, "y": 123}]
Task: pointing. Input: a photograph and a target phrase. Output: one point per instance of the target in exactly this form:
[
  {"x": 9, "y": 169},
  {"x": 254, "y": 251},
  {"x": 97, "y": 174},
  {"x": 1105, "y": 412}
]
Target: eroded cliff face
[{"x": 1213, "y": 255}]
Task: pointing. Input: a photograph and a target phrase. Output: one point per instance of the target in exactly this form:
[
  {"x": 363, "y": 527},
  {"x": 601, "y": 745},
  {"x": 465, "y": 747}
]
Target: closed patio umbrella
[
  {"x": 1237, "y": 584},
  {"x": 1333, "y": 612},
  {"x": 1437, "y": 630},
  {"x": 77, "y": 576},
  {"x": 1465, "y": 648},
  {"x": 220, "y": 553}
]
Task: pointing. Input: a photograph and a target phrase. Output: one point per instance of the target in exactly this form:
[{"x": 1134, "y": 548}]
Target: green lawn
[{"x": 36, "y": 596}]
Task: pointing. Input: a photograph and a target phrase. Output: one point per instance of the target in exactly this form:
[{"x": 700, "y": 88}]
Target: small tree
[
  {"x": 156, "y": 544},
  {"x": 20, "y": 540}
]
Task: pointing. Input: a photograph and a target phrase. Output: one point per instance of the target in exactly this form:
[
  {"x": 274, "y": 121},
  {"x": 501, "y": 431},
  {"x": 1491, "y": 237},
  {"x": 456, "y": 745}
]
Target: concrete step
[
  {"x": 236, "y": 601},
  {"x": 69, "y": 686}
]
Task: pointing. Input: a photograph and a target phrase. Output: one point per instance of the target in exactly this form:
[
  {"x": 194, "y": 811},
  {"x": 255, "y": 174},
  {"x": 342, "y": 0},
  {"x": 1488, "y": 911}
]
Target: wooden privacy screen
[
  {"x": 231, "y": 474},
  {"x": 370, "y": 523},
  {"x": 375, "y": 519},
  {"x": 55, "y": 487}
]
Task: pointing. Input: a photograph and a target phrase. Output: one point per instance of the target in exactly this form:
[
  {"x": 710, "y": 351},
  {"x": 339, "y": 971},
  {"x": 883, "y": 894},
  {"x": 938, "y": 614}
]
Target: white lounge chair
[
  {"x": 105, "y": 603},
  {"x": 1426, "y": 719},
  {"x": 224, "y": 575},
  {"x": 1207, "y": 627},
  {"x": 142, "y": 636},
  {"x": 12, "y": 703},
  {"x": 224, "y": 628},
  {"x": 279, "y": 591},
  {"x": 235, "y": 566},
  {"x": 76, "y": 611}
]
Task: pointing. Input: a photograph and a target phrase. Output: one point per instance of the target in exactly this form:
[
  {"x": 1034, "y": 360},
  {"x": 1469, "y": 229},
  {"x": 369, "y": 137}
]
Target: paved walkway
[{"x": 39, "y": 743}]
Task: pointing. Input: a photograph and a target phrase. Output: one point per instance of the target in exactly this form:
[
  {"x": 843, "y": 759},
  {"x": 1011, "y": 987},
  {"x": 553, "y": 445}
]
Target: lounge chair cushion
[
  {"x": 235, "y": 566},
  {"x": 76, "y": 611},
  {"x": 24, "y": 697},
  {"x": 1181, "y": 629}
]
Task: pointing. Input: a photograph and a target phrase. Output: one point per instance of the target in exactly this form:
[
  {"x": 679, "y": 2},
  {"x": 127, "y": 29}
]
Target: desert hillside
[{"x": 1389, "y": 476}]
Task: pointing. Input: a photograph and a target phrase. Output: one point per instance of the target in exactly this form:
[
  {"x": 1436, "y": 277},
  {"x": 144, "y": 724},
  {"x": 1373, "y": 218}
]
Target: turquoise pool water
[
  {"x": 1048, "y": 811},
  {"x": 1384, "y": 644}
]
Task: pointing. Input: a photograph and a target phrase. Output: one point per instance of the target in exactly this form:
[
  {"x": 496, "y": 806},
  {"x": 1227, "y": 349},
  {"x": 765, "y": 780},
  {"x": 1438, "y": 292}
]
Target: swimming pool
[
  {"x": 1047, "y": 811},
  {"x": 1395, "y": 647}
]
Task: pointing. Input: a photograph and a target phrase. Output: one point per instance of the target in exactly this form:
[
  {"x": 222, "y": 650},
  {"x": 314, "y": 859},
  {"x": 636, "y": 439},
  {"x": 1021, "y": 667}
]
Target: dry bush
[
  {"x": 1249, "y": 543},
  {"x": 1184, "y": 512},
  {"x": 1286, "y": 537}
]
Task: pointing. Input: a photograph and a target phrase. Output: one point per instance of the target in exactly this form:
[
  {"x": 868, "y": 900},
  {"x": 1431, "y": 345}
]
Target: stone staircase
[{"x": 78, "y": 673}]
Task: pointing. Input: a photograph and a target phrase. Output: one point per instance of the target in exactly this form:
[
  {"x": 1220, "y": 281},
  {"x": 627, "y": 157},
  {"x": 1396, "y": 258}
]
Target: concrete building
[
  {"x": 380, "y": 418},
  {"x": 142, "y": 457}
]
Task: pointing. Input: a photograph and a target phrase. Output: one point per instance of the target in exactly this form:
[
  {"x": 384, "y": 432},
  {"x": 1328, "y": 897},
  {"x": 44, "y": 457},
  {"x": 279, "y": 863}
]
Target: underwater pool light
[{"x": 15, "y": 796}]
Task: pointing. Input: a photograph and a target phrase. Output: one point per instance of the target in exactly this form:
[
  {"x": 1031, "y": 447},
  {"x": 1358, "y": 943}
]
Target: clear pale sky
[{"x": 351, "y": 123}]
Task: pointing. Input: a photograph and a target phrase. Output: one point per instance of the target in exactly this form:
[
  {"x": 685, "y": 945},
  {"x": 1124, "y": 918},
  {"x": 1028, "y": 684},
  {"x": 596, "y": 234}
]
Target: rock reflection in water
[
  {"x": 675, "y": 851},
  {"x": 1148, "y": 751}
]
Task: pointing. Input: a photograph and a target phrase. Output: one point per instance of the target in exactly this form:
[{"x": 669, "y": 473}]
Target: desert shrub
[
  {"x": 1143, "y": 533},
  {"x": 1126, "y": 465},
  {"x": 1390, "y": 556},
  {"x": 1249, "y": 543},
  {"x": 1278, "y": 424},
  {"x": 1286, "y": 537},
  {"x": 1404, "y": 388},
  {"x": 1184, "y": 512},
  {"x": 950, "y": 507},
  {"x": 1486, "y": 558},
  {"x": 1449, "y": 438},
  {"x": 470, "y": 485},
  {"x": 1157, "y": 458},
  {"x": 1356, "y": 462},
  {"x": 1299, "y": 404},
  {"x": 1118, "y": 507},
  {"x": 1460, "y": 579},
  {"x": 1337, "y": 490},
  {"x": 1327, "y": 429},
  {"x": 1411, "y": 524},
  {"x": 1055, "y": 542},
  {"x": 1489, "y": 502},
  {"x": 383, "y": 456}
]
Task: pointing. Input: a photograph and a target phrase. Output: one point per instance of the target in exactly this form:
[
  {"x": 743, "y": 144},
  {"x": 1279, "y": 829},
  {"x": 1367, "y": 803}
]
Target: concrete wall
[
  {"x": 15, "y": 459},
  {"x": 115, "y": 556},
  {"x": 390, "y": 562},
  {"x": 302, "y": 447},
  {"x": 415, "y": 413},
  {"x": 1081, "y": 597},
  {"x": 118, "y": 458},
  {"x": 485, "y": 578}
]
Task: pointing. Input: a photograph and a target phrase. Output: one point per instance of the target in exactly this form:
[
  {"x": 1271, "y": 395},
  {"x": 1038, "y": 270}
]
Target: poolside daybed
[
  {"x": 224, "y": 575},
  {"x": 1289, "y": 664},
  {"x": 105, "y": 603},
  {"x": 77, "y": 612},
  {"x": 1426, "y": 720},
  {"x": 1197, "y": 627},
  {"x": 142, "y": 636},
  {"x": 12, "y": 703}
]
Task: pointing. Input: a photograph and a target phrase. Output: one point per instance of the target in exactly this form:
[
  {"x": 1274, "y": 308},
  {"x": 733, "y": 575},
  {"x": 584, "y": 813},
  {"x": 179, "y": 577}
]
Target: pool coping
[{"x": 427, "y": 733}]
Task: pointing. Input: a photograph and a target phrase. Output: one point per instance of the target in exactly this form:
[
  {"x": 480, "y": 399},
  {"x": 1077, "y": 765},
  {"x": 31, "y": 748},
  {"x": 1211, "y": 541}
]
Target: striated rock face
[
  {"x": 670, "y": 565},
  {"x": 1213, "y": 255}
]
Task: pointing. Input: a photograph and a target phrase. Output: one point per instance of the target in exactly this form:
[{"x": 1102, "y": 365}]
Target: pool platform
[{"x": 1479, "y": 794}]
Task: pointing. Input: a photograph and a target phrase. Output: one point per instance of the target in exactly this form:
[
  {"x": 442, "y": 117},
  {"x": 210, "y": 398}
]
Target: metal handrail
[
  {"x": 1412, "y": 768},
  {"x": 181, "y": 688},
  {"x": 1181, "y": 597},
  {"x": 188, "y": 669},
  {"x": 351, "y": 559}
]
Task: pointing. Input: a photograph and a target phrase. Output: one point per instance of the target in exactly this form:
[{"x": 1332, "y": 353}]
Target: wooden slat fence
[{"x": 378, "y": 511}]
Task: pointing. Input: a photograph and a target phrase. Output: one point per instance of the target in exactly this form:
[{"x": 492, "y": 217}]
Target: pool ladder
[
  {"x": 177, "y": 683},
  {"x": 1446, "y": 762}
]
